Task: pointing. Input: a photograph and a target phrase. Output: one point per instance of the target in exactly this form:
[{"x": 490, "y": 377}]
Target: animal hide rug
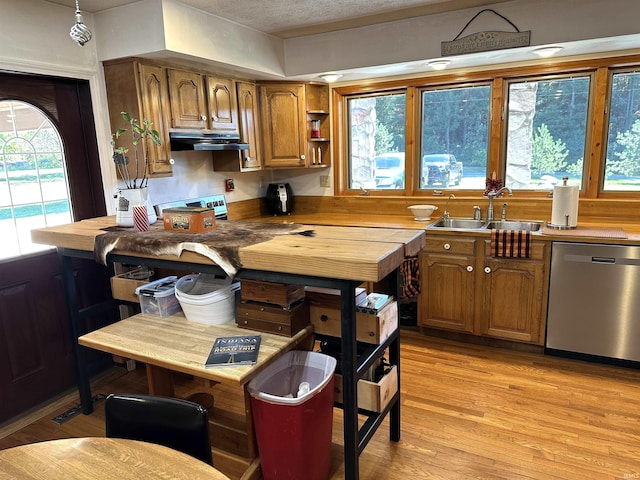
[{"x": 220, "y": 245}]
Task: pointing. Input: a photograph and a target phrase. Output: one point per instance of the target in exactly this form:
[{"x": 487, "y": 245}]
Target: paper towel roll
[{"x": 565, "y": 203}]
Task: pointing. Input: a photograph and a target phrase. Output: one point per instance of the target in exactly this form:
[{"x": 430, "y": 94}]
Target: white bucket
[{"x": 206, "y": 299}]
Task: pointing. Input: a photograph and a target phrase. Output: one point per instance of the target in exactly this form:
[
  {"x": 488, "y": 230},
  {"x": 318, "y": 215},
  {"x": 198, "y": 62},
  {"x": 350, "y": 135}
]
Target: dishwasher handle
[{"x": 603, "y": 260}]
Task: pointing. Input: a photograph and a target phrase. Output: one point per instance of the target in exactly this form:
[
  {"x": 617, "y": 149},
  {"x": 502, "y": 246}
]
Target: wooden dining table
[{"x": 101, "y": 458}]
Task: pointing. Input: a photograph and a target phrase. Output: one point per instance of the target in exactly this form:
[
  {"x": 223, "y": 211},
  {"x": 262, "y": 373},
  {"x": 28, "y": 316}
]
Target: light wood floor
[{"x": 467, "y": 412}]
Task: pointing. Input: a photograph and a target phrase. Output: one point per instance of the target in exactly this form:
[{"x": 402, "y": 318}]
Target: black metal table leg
[{"x": 349, "y": 381}]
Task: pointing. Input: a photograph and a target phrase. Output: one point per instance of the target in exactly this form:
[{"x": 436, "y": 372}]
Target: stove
[{"x": 217, "y": 202}]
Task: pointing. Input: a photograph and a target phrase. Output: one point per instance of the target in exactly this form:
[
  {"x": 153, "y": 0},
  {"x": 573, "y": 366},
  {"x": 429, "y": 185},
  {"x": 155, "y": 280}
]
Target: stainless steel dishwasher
[{"x": 594, "y": 300}]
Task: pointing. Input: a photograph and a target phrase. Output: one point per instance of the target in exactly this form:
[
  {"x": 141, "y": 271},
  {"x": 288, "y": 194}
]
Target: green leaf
[{"x": 126, "y": 116}]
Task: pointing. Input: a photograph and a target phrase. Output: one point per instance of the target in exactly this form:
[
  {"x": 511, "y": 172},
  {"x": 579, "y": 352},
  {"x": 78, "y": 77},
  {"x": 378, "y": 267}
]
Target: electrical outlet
[{"x": 324, "y": 181}]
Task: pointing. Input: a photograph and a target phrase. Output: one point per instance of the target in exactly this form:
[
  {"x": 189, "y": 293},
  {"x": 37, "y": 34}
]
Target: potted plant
[{"x": 134, "y": 178}]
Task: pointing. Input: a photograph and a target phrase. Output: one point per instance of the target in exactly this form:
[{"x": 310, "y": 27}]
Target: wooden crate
[
  {"x": 369, "y": 328},
  {"x": 282, "y": 294},
  {"x": 372, "y": 396},
  {"x": 268, "y": 318}
]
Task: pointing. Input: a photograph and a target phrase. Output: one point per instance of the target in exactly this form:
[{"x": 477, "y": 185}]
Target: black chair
[{"x": 172, "y": 422}]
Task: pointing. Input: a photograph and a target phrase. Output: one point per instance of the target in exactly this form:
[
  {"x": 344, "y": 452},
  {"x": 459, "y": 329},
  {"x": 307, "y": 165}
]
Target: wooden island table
[{"x": 340, "y": 258}]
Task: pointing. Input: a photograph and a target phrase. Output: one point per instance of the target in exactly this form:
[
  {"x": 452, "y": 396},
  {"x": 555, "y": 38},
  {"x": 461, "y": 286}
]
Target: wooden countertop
[
  {"x": 407, "y": 222},
  {"x": 351, "y": 253},
  {"x": 179, "y": 345}
]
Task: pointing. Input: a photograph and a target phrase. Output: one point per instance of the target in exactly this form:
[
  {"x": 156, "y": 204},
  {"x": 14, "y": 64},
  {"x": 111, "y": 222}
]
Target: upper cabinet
[
  {"x": 249, "y": 112},
  {"x": 141, "y": 90},
  {"x": 223, "y": 107},
  {"x": 295, "y": 125},
  {"x": 203, "y": 102}
]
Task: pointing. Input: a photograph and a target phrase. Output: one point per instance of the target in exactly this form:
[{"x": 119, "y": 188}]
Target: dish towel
[
  {"x": 511, "y": 243},
  {"x": 410, "y": 271}
]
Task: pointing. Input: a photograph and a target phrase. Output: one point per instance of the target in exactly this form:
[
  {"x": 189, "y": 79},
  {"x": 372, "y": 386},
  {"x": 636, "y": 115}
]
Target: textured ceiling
[{"x": 286, "y": 19}]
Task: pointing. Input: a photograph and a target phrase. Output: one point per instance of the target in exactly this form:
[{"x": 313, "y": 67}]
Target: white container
[
  {"x": 158, "y": 297},
  {"x": 207, "y": 299}
]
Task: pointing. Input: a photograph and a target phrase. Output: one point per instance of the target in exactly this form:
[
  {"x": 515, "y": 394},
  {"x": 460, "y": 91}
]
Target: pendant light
[{"x": 80, "y": 33}]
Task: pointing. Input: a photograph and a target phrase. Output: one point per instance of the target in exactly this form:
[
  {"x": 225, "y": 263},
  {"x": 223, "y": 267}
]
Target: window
[
  {"x": 622, "y": 161},
  {"x": 546, "y": 132},
  {"x": 377, "y": 141},
  {"x": 455, "y": 136},
  {"x": 33, "y": 185}
]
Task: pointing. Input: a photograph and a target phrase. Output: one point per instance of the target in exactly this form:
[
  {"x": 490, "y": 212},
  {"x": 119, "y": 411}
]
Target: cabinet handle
[
  {"x": 323, "y": 318},
  {"x": 447, "y": 246},
  {"x": 487, "y": 269},
  {"x": 204, "y": 118},
  {"x": 302, "y": 157},
  {"x": 469, "y": 268},
  {"x": 171, "y": 161}
]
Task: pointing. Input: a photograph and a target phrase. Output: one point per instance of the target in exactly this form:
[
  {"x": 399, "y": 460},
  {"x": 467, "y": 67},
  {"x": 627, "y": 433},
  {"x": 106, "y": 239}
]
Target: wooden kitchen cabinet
[
  {"x": 287, "y": 111},
  {"x": 222, "y": 103},
  {"x": 448, "y": 284},
  {"x": 188, "y": 103},
  {"x": 465, "y": 289},
  {"x": 283, "y": 113},
  {"x": 249, "y": 113},
  {"x": 514, "y": 296},
  {"x": 141, "y": 89}
]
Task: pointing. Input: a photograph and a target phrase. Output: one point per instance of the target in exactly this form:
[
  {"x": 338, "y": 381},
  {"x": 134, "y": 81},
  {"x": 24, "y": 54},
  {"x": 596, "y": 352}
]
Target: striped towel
[{"x": 511, "y": 243}]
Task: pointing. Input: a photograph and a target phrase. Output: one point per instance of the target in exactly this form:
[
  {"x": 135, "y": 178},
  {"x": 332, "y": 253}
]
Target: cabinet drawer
[
  {"x": 537, "y": 251},
  {"x": 273, "y": 319},
  {"x": 267, "y": 292},
  {"x": 372, "y": 396},
  {"x": 123, "y": 286},
  {"x": 370, "y": 328},
  {"x": 444, "y": 244}
]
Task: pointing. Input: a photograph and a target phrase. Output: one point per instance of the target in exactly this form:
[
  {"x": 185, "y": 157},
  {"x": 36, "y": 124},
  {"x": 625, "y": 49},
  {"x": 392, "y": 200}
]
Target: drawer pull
[
  {"x": 323, "y": 318},
  {"x": 447, "y": 246},
  {"x": 469, "y": 268},
  {"x": 487, "y": 269}
]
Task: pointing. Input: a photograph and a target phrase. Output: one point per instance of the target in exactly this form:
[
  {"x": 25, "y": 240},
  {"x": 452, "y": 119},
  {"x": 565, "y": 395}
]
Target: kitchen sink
[
  {"x": 514, "y": 225},
  {"x": 472, "y": 224},
  {"x": 458, "y": 223}
]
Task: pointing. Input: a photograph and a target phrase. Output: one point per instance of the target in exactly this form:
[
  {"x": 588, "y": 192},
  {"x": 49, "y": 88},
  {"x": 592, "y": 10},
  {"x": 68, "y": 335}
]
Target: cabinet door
[
  {"x": 283, "y": 125},
  {"x": 248, "y": 109},
  {"x": 188, "y": 106},
  {"x": 155, "y": 108},
  {"x": 447, "y": 291},
  {"x": 513, "y": 297},
  {"x": 223, "y": 108}
]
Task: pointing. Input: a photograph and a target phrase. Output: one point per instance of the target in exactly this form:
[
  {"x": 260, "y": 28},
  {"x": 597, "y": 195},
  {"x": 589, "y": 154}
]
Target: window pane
[
  {"x": 455, "y": 135},
  {"x": 377, "y": 140},
  {"x": 546, "y": 133},
  {"x": 33, "y": 185},
  {"x": 622, "y": 161}
]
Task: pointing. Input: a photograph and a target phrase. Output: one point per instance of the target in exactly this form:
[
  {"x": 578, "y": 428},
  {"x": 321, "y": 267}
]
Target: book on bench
[{"x": 234, "y": 351}]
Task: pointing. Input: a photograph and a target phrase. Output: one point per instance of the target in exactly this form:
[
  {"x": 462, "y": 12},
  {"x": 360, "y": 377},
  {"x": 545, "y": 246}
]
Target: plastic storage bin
[
  {"x": 207, "y": 299},
  {"x": 292, "y": 403},
  {"x": 158, "y": 298}
]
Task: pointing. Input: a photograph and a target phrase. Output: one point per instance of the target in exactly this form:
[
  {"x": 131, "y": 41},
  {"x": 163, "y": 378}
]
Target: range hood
[{"x": 205, "y": 140}]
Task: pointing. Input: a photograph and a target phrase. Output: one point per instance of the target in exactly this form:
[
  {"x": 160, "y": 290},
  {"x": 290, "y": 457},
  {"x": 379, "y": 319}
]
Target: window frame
[{"x": 593, "y": 177}]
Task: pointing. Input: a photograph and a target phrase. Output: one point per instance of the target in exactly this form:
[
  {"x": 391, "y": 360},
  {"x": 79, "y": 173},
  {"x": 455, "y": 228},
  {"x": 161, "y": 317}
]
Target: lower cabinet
[{"x": 465, "y": 289}]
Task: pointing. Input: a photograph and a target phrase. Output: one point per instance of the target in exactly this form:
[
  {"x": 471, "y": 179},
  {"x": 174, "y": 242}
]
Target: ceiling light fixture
[
  {"x": 439, "y": 64},
  {"x": 545, "y": 52},
  {"x": 80, "y": 33},
  {"x": 331, "y": 77}
]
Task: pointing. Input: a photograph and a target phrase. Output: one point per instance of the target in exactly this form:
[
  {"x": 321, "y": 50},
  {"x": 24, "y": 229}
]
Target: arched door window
[{"x": 34, "y": 191}]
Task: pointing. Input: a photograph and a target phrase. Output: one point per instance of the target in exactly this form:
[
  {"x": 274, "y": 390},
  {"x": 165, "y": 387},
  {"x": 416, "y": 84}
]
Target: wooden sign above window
[{"x": 486, "y": 41}]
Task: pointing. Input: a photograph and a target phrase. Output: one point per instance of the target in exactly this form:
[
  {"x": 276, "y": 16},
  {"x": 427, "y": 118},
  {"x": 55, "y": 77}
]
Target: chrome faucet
[
  {"x": 445, "y": 213},
  {"x": 491, "y": 196},
  {"x": 503, "y": 217}
]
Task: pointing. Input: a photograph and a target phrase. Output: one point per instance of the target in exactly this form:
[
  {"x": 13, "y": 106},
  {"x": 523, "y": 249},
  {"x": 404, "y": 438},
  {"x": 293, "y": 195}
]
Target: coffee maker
[{"x": 279, "y": 199}]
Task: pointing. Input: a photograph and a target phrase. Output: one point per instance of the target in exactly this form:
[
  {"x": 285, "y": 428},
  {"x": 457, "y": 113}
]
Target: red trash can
[{"x": 292, "y": 403}]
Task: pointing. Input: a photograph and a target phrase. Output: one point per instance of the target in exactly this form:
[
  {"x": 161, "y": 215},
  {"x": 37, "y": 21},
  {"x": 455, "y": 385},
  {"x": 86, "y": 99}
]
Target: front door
[{"x": 49, "y": 174}]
